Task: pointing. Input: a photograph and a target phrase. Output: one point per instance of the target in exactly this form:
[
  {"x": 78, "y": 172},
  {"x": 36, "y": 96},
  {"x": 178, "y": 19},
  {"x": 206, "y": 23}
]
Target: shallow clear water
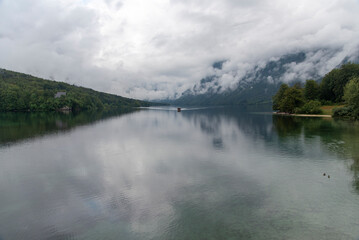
[{"x": 219, "y": 173}]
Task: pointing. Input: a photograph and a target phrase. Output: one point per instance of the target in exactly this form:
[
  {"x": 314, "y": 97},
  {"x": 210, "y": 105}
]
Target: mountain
[
  {"x": 258, "y": 85},
  {"x": 22, "y": 92}
]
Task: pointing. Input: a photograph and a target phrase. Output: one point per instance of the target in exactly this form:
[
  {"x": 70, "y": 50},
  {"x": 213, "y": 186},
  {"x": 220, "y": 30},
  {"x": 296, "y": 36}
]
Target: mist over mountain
[
  {"x": 260, "y": 83},
  {"x": 159, "y": 49}
]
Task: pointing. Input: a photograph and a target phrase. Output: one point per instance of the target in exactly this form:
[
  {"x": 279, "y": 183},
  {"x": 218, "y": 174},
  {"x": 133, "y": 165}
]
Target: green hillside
[{"x": 22, "y": 92}]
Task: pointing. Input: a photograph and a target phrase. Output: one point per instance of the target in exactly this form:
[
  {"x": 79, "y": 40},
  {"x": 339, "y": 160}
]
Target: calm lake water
[{"x": 217, "y": 173}]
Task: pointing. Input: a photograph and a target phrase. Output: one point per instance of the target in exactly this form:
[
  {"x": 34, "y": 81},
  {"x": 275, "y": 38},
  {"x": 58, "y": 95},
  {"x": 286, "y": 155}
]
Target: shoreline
[{"x": 302, "y": 115}]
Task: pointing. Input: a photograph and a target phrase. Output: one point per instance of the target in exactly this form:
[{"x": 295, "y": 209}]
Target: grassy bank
[
  {"x": 304, "y": 115},
  {"x": 328, "y": 110}
]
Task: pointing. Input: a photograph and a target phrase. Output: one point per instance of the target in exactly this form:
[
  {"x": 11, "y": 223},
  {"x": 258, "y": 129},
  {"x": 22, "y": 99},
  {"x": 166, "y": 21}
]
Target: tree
[
  {"x": 327, "y": 85},
  {"x": 293, "y": 99},
  {"x": 287, "y": 99},
  {"x": 351, "y": 95},
  {"x": 333, "y": 83},
  {"x": 278, "y": 97},
  {"x": 311, "y": 90},
  {"x": 310, "y": 107}
]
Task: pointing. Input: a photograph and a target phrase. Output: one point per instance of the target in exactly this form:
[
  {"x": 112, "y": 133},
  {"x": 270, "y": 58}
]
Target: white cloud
[{"x": 159, "y": 48}]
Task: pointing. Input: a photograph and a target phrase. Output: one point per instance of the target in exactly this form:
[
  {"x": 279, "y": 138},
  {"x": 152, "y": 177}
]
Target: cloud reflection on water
[{"x": 167, "y": 175}]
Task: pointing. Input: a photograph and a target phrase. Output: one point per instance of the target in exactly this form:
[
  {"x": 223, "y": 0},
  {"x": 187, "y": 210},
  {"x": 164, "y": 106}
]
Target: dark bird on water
[
  {"x": 328, "y": 176},
  {"x": 323, "y": 174}
]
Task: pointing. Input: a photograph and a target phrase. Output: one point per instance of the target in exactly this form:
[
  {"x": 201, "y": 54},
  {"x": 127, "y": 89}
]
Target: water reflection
[
  {"x": 205, "y": 174},
  {"x": 19, "y": 126},
  {"x": 339, "y": 137}
]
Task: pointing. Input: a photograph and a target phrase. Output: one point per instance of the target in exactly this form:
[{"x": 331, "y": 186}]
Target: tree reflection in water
[{"x": 338, "y": 136}]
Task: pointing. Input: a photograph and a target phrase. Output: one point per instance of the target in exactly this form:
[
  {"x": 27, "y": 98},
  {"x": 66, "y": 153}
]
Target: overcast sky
[{"x": 153, "y": 49}]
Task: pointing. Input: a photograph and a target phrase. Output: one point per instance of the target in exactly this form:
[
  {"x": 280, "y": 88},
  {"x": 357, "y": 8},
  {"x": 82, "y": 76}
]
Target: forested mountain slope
[{"x": 22, "y": 92}]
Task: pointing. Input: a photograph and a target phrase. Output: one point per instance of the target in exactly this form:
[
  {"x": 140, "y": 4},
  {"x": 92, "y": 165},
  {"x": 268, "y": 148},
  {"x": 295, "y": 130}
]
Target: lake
[{"x": 203, "y": 173}]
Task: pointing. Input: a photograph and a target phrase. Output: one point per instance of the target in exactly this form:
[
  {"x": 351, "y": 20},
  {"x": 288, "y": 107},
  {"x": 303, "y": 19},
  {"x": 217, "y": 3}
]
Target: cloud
[{"x": 159, "y": 48}]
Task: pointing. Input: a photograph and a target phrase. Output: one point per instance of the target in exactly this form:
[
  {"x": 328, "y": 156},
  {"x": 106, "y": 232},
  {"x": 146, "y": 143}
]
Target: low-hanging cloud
[{"x": 160, "y": 48}]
